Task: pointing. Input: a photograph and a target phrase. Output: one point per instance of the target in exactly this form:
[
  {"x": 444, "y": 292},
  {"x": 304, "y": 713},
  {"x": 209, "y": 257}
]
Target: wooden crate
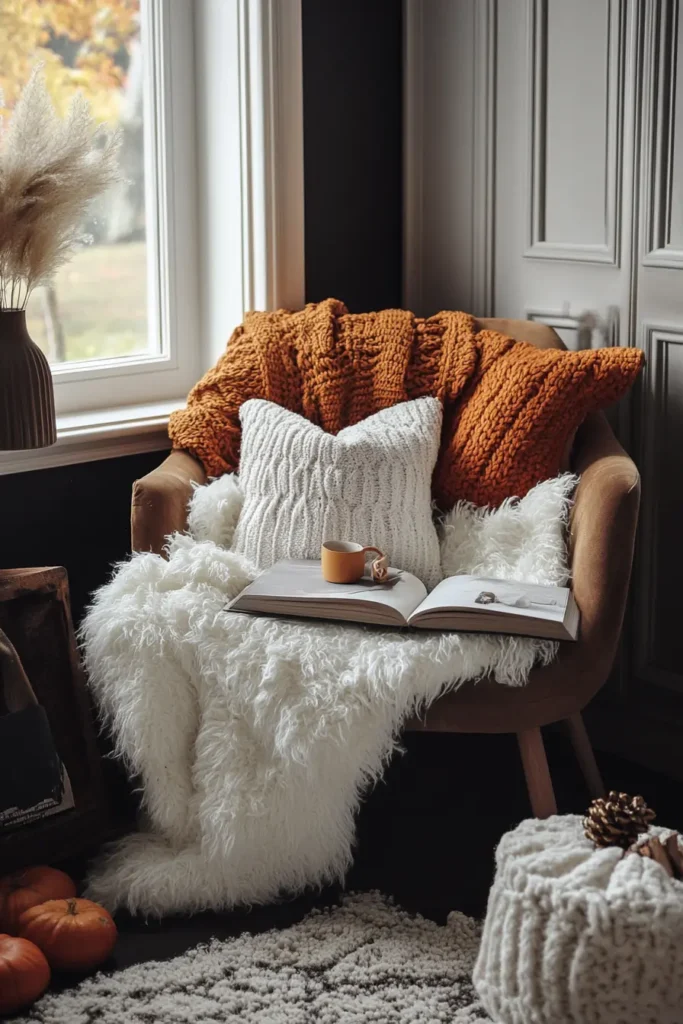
[{"x": 36, "y": 616}]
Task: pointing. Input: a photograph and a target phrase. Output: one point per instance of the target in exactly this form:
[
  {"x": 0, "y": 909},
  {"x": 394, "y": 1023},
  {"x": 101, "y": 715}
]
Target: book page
[
  {"x": 300, "y": 583},
  {"x": 527, "y": 600}
]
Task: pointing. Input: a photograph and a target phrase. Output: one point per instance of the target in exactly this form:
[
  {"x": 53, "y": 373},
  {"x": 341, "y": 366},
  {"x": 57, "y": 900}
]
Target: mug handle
[{"x": 379, "y": 568}]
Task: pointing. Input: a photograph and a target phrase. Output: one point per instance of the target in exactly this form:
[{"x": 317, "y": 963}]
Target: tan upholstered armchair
[{"x": 602, "y": 535}]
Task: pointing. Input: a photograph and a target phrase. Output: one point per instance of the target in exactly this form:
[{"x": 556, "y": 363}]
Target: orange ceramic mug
[{"x": 344, "y": 562}]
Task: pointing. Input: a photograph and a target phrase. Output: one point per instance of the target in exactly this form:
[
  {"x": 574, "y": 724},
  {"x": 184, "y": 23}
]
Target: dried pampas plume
[{"x": 51, "y": 169}]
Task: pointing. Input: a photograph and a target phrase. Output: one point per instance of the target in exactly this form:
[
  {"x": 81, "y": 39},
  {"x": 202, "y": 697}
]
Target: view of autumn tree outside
[{"x": 97, "y": 306}]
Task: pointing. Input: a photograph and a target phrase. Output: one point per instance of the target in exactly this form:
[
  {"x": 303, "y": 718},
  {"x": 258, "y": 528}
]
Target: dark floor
[{"x": 426, "y": 836}]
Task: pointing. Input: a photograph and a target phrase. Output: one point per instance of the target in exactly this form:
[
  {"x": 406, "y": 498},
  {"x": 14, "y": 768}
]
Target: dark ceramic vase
[{"x": 27, "y": 405}]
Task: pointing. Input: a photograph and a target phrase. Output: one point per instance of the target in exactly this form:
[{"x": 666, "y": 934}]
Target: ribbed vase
[{"x": 27, "y": 405}]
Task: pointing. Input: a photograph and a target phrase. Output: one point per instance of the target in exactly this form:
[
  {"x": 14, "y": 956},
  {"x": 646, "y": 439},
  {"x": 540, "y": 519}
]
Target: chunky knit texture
[
  {"x": 575, "y": 935},
  {"x": 509, "y": 408},
  {"x": 369, "y": 484}
]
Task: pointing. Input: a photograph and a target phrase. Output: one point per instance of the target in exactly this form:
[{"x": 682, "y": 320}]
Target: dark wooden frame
[{"x": 35, "y": 614}]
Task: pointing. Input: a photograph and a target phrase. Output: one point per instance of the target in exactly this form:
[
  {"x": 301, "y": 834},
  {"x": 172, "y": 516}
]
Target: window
[
  {"x": 116, "y": 321},
  {"x": 209, "y": 96},
  {"x": 97, "y": 305}
]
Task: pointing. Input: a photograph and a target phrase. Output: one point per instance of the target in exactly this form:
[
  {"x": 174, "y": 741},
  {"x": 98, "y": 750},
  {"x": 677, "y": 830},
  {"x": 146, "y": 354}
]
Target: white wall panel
[
  {"x": 662, "y": 134},
  {"x": 581, "y": 104},
  {"x": 576, "y": 67}
]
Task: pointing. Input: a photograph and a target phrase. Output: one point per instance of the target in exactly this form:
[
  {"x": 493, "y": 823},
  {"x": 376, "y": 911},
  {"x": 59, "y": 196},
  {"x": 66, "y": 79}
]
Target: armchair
[{"x": 602, "y": 535}]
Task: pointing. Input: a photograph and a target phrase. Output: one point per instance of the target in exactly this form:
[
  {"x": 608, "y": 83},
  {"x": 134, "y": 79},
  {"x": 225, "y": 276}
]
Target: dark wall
[
  {"x": 352, "y": 55},
  {"x": 78, "y": 516}
]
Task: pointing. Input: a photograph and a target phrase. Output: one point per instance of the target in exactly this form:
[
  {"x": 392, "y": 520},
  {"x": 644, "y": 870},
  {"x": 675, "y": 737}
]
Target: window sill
[{"x": 101, "y": 434}]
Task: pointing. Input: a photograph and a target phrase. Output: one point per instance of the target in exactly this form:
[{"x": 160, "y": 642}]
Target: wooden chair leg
[
  {"x": 585, "y": 756},
  {"x": 537, "y": 773}
]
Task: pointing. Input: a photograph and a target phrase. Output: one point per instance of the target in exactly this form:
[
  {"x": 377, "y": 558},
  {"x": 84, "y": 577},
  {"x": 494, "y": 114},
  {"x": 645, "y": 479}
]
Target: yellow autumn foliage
[{"x": 76, "y": 40}]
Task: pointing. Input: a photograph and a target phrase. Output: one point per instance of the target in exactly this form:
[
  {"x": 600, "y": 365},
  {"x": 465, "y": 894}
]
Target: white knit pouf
[{"x": 577, "y": 935}]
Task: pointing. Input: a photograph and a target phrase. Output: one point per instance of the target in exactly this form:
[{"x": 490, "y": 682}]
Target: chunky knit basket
[{"x": 577, "y": 935}]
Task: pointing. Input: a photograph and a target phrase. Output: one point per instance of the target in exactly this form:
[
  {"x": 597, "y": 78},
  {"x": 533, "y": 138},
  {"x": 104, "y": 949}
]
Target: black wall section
[
  {"x": 352, "y": 57},
  {"x": 76, "y": 516}
]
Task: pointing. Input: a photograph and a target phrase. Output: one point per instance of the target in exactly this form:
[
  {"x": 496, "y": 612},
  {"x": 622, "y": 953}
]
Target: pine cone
[
  {"x": 667, "y": 854},
  {"x": 618, "y": 820}
]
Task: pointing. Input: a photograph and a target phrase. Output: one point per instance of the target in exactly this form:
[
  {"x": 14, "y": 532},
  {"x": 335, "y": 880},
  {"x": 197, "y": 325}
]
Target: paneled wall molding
[
  {"x": 539, "y": 246},
  {"x": 544, "y": 177},
  {"x": 658, "y": 112},
  {"x": 658, "y": 342}
]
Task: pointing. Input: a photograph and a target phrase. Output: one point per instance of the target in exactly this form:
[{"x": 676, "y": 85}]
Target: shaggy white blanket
[{"x": 254, "y": 738}]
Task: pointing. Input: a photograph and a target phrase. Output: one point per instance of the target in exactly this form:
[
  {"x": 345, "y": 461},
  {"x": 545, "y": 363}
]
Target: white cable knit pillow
[{"x": 369, "y": 483}]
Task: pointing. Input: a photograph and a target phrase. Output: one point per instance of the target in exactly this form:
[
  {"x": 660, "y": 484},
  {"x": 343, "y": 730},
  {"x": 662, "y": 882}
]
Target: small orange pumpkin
[
  {"x": 28, "y": 888},
  {"x": 74, "y": 935},
  {"x": 24, "y": 973}
]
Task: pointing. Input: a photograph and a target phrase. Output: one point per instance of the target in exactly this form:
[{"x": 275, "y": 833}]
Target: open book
[{"x": 464, "y": 603}]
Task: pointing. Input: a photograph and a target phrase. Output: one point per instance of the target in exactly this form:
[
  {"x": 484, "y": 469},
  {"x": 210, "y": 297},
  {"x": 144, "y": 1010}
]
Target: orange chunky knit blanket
[{"x": 510, "y": 409}]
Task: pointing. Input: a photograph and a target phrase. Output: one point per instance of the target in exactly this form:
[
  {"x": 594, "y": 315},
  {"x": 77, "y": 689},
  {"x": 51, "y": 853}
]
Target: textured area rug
[{"x": 362, "y": 961}]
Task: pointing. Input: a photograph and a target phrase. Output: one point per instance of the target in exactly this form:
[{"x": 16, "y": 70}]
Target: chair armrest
[
  {"x": 602, "y": 537},
  {"x": 536, "y": 334},
  {"x": 160, "y": 500}
]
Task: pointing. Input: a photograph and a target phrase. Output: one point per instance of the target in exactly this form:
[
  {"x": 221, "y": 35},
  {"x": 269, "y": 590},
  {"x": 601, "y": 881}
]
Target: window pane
[{"x": 97, "y": 306}]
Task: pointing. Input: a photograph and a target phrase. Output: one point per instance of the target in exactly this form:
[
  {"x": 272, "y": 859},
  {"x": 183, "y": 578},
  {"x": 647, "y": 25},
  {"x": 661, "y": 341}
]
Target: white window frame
[{"x": 228, "y": 120}]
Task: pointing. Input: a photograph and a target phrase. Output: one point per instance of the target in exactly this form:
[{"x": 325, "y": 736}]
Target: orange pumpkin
[
  {"x": 74, "y": 935},
  {"x": 28, "y": 888},
  {"x": 24, "y": 973}
]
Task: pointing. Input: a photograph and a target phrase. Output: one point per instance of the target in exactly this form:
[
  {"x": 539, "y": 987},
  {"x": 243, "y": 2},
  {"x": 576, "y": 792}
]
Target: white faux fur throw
[{"x": 254, "y": 738}]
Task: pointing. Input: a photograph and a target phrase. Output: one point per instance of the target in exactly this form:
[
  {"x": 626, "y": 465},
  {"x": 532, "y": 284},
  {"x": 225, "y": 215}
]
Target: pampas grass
[{"x": 50, "y": 172}]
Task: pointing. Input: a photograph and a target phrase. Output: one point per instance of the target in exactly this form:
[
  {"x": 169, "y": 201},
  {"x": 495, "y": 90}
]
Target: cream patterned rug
[{"x": 363, "y": 961}]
